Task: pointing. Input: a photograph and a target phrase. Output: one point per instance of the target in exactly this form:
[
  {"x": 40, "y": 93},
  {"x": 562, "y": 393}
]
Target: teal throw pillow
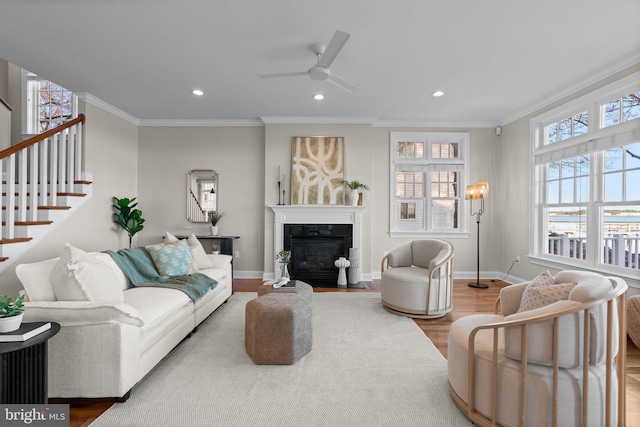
[{"x": 172, "y": 259}]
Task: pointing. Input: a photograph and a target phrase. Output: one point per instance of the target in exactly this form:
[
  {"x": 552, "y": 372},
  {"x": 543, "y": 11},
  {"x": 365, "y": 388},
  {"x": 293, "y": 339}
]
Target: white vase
[
  {"x": 351, "y": 197},
  {"x": 10, "y": 324},
  {"x": 214, "y": 230}
]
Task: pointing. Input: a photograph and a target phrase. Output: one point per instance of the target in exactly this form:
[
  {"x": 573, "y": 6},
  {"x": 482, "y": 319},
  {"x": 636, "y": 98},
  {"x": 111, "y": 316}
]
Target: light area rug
[{"x": 367, "y": 367}]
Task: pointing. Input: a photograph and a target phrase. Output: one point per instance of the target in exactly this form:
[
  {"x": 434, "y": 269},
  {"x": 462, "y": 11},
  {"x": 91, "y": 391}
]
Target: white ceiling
[{"x": 496, "y": 60}]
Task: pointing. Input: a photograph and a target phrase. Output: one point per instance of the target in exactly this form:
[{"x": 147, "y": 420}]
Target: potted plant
[
  {"x": 352, "y": 194},
  {"x": 11, "y": 312},
  {"x": 284, "y": 257},
  {"x": 127, "y": 217},
  {"x": 215, "y": 217}
]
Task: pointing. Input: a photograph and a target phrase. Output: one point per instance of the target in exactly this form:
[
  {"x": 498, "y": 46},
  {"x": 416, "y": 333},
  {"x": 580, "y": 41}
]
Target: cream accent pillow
[
  {"x": 193, "y": 265},
  {"x": 79, "y": 276},
  {"x": 198, "y": 253},
  {"x": 543, "y": 291},
  {"x": 171, "y": 259}
]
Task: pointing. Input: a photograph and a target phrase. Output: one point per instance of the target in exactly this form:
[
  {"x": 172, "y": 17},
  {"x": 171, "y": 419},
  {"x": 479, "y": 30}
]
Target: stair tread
[{"x": 16, "y": 240}]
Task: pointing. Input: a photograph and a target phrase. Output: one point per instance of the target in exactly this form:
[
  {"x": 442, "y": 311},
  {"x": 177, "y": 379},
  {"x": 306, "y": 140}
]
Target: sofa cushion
[
  {"x": 171, "y": 259},
  {"x": 542, "y": 291},
  {"x": 161, "y": 310},
  {"x": 198, "y": 253},
  {"x": 79, "y": 276}
]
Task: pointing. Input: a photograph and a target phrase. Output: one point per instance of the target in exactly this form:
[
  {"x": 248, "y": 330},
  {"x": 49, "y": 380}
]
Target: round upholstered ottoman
[{"x": 278, "y": 328}]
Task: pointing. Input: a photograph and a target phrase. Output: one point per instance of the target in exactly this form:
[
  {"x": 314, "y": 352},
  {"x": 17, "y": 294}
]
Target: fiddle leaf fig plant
[
  {"x": 10, "y": 306},
  {"x": 127, "y": 216}
]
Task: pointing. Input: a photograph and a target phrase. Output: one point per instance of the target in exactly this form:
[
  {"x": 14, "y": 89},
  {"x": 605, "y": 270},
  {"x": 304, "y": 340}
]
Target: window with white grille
[{"x": 428, "y": 169}]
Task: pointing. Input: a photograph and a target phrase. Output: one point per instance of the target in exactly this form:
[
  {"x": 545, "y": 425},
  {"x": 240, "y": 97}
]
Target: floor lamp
[{"x": 478, "y": 191}]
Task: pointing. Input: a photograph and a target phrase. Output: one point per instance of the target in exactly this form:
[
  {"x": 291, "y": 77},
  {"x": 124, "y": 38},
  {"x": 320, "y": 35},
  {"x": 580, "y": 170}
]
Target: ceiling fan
[{"x": 326, "y": 55}]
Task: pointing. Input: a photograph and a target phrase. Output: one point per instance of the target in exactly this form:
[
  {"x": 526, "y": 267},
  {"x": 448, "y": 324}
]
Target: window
[
  {"x": 47, "y": 105},
  {"x": 586, "y": 172},
  {"x": 427, "y": 172}
]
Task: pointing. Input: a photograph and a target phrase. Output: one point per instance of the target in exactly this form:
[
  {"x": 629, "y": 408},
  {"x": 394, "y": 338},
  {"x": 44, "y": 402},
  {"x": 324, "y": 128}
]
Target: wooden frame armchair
[
  {"x": 417, "y": 279},
  {"x": 562, "y": 364}
]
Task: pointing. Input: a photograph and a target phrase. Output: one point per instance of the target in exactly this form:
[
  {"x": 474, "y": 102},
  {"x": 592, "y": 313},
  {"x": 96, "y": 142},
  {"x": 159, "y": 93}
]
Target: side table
[{"x": 24, "y": 369}]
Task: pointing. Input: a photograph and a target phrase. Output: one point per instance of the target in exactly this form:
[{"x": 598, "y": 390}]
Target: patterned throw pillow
[
  {"x": 172, "y": 259},
  {"x": 543, "y": 291},
  {"x": 193, "y": 266}
]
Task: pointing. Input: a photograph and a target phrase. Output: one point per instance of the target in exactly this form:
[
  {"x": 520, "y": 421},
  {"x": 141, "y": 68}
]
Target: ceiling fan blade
[
  {"x": 333, "y": 49},
  {"x": 275, "y": 75},
  {"x": 342, "y": 83}
]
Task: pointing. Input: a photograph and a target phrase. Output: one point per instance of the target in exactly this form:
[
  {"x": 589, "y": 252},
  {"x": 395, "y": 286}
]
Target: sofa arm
[
  {"x": 76, "y": 313},
  {"x": 221, "y": 262}
]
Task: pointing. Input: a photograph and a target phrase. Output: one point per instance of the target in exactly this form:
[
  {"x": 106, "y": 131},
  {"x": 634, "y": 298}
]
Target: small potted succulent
[
  {"x": 11, "y": 312},
  {"x": 352, "y": 194}
]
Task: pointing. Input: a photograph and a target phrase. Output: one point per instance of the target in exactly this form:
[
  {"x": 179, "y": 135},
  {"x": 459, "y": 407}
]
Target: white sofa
[{"x": 104, "y": 348}]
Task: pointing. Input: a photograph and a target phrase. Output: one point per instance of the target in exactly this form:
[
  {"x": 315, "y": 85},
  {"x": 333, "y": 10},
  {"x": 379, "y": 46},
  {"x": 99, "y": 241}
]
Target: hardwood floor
[{"x": 466, "y": 300}]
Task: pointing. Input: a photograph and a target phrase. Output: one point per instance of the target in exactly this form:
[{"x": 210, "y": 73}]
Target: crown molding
[
  {"x": 318, "y": 120},
  {"x": 432, "y": 124},
  {"x": 598, "y": 75},
  {"x": 201, "y": 123},
  {"x": 90, "y": 99}
]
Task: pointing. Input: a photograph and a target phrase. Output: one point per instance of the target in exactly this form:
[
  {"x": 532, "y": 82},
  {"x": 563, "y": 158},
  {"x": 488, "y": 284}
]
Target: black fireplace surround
[{"x": 314, "y": 249}]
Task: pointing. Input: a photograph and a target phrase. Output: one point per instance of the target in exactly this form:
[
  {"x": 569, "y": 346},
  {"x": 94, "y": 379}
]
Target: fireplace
[
  {"x": 325, "y": 216},
  {"x": 314, "y": 249}
]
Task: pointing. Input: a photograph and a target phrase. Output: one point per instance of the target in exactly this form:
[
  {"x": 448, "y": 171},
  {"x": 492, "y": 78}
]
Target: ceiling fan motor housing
[{"x": 319, "y": 73}]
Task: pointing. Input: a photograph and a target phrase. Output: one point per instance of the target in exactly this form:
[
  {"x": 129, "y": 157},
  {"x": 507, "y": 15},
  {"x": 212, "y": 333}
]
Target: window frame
[
  {"x": 31, "y": 103},
  {"x": 423, "y": 227},
  {"x": 593, "y": 143}
]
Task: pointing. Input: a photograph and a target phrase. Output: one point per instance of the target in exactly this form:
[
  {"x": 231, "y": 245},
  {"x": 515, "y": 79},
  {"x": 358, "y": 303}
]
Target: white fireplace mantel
[{"x": 314, "y": 214}]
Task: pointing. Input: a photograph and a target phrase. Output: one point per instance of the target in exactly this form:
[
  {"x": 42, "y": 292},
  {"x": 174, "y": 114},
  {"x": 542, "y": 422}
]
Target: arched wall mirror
[{"x": 202, "y": 194}]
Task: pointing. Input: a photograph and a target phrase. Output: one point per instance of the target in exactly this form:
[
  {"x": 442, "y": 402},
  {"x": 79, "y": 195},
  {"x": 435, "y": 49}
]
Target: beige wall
[
  {"x": 111, "y": 154},
  {"x": 167, "y": 154}
]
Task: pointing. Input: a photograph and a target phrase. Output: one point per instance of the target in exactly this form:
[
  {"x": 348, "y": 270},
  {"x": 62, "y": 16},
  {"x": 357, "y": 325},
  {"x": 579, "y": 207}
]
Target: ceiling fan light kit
[{"x": 321, "y": 70}]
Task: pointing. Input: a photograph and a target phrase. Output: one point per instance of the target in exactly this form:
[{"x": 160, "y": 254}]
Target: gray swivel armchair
[{"x": 417, "y": 279}]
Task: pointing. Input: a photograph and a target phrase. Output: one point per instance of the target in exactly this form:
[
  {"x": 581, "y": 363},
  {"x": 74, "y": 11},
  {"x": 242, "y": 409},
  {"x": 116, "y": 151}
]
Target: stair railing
[{"x": 35, "y": 171}]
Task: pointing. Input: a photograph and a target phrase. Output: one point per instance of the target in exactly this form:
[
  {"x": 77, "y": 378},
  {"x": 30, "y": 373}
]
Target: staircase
[{"x": 43, "y": 183}]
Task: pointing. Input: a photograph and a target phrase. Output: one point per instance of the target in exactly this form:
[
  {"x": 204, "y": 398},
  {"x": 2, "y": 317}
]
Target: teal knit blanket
[{"x": 137, "y": 265}]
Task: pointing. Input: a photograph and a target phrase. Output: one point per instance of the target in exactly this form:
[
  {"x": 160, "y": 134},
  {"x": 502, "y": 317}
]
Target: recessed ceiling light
[
  {"x": 318, "y": 96},
  {"x": 438, "y": 93},
  {"x": 197, "y": 92}
]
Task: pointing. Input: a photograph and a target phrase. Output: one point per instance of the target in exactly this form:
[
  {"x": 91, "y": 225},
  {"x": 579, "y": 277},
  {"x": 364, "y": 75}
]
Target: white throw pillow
[
  {"x": 79, "y": 276},
  {"x": 193, "y": 264},
  {"x": 198, "y": 253}
]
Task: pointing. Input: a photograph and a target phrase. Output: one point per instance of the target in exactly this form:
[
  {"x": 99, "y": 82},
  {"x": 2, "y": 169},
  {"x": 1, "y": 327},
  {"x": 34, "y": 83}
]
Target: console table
[
  {"x": 24, "y": 369},
  {"x": 226, "y": 243}
]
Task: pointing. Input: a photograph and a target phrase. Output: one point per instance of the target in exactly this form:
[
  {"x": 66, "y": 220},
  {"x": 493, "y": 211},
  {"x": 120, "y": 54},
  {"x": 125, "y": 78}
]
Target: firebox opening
[{"x": 314, "y": 249}]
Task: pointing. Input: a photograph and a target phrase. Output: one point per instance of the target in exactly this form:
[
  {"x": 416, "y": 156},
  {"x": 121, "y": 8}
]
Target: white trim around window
[{"x": 428, "y": 175}]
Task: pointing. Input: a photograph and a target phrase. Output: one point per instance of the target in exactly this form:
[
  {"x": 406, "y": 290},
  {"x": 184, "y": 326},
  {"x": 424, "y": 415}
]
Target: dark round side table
[{"x": 23, "y": 369}]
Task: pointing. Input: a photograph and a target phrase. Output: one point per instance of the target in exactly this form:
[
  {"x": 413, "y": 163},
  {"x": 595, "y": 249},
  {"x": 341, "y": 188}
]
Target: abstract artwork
[{"x": 317, "y": 170}]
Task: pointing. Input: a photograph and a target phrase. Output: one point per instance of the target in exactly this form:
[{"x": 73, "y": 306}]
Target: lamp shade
[
  {"x": 471, "y": 192},
  {"x": 482, "y": 189}
]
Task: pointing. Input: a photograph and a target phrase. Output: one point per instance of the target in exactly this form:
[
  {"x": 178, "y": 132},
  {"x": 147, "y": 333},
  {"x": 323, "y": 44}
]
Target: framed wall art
[{"x": 317, "y": 170}]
